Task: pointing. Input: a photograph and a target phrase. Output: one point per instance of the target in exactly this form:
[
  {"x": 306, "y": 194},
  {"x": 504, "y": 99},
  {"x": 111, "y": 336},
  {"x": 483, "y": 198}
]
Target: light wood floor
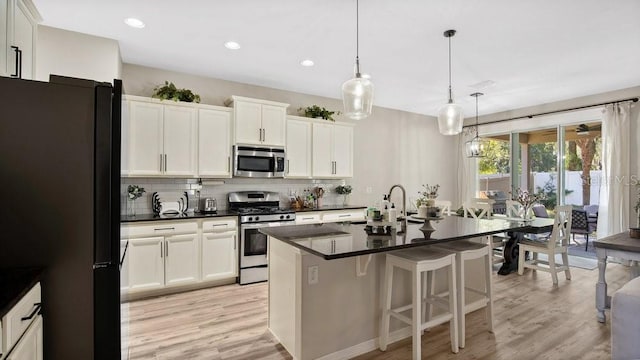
[{"x": 533, "y": 320}]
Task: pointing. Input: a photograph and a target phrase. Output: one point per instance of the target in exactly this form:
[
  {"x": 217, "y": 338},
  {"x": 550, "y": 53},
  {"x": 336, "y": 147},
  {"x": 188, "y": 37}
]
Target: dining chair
[
  {"x": 483, "y": 209},
  {"x": 556, "y": 243},
  {"x": 513, "y": 208},
  {"x": 445, "y": 205}
]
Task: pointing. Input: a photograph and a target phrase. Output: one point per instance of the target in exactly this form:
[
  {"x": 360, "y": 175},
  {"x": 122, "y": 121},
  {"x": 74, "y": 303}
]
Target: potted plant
[
  {"x": 316, "y": 111},
  {"x": 134, "y": 192},
  {"x": 168, "y": 91},
  {"x": 344, "y": 190}
]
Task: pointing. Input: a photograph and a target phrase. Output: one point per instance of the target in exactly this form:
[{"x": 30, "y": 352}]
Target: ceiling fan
[{"x": 583, "y": 129}]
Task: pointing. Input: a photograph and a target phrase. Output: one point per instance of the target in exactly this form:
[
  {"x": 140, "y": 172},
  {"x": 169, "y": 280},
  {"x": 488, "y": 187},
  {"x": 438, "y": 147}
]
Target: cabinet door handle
[
  {"x": 260, "y": 134},
  {"x": 287, "y": 166},
  {"x": 228, "y": 163},
  {"x": 235, "y": 241},
  {"x": 18, "y": 51},
  {"x": 165, "y": 162},
  {"x": 36, "y": 309},
  {"x": 166, "y": 251},
  {"x": 264, "y": 134},
  {"x": 161, "y": 250},
  {"x": 161, "y": 162},
  {"x": 167, "y": 228},
  {"x": 345, "y": 215},
  {"x": 216, "y": 225}
]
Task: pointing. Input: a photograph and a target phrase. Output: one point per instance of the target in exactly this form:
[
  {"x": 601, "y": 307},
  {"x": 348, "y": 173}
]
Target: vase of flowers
[
  {"x": 428, "y": 195},
  {"x": 344, "y": 190},
  {"x": 526, "y": 200},
  {"x": 133, "y": 192}
]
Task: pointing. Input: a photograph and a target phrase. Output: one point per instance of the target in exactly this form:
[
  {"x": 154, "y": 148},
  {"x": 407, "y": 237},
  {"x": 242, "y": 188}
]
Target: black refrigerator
[{"x": 60, "y": 171}]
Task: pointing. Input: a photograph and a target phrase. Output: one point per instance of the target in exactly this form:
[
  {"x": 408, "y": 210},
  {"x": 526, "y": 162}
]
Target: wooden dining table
[{"x": 510, "y": 254}]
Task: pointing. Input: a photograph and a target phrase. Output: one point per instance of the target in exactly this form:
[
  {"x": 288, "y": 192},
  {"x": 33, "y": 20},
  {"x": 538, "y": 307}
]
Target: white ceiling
[{"x": 535, "y": 51}]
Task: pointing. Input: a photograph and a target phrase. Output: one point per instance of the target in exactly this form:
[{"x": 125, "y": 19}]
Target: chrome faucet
[{"x": 403, "y": 226}]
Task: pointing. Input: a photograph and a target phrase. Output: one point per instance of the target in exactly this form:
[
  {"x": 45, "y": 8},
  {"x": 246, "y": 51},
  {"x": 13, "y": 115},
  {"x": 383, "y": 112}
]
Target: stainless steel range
[{"x": 256, "y": 209}]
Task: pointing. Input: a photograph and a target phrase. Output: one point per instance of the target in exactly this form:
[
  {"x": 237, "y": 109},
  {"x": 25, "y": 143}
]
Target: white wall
[
  {"x": 390, "y": 147},
  {"x": 69, "y": 53}
]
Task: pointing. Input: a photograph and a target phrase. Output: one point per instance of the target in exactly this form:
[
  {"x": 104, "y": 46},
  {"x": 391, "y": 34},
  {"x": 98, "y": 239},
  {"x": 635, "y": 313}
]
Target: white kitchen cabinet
[
  {"x": 160, "y": 255},
  {"x": 18, "y": 43},
  {"x": 308, "y": 218},
  {"x": 298, "y": 147},
  {"x": 159, "y": 139},
  {"x": 343, "y": 215},
  {"x": 214, "y": 143},
  {"x": 181, "y": 259},
  {"x": 21, "y": 328},
  {"x": 219, "y": 249},
  {"x": 124, "y": 267},
  {"x": 30, "y": 345},
  {"x": 332, "y": 150},
  {"x": 259, "y": 122},
  {"x": 146, "y": 263},
  {"x": 333, "y": 245}
]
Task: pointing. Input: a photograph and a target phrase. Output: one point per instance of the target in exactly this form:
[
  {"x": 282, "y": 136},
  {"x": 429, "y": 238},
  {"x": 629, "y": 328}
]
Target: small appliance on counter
[{"x": 209, "y": 205}]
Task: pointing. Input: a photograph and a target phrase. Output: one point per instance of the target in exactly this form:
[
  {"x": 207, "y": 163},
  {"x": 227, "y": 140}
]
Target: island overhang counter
[{"x": 324, "y": 282}]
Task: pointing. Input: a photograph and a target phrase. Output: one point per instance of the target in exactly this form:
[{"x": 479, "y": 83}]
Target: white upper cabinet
[
  {"x": 259, "y": 122},
  {"x": 158, "y": 139},
  {"x": 18, "y": 56},
  {"x": 332, "y": 150},
  {"x": 214, "y": 143},
  {"x": 298, "y": 147}
]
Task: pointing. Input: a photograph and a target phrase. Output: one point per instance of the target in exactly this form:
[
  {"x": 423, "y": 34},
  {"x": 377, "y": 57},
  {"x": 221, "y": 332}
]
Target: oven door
[{"x": 253, "y": 247}]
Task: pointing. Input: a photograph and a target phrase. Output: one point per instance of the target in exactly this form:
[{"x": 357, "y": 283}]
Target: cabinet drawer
[
  {"x": 159, "y": 228},
  {"x": 308, "y": 218},
  {"x": 350, "y": 215},
  {"x": 21, "y": 315},
  {"x": 219, "y": 225}
]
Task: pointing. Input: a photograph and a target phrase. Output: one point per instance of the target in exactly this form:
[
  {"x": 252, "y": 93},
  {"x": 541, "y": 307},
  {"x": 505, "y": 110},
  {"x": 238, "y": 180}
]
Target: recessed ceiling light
[
  {"x": 135, "y": 23},
  {"x": 306, "y": 62},
  {"x": 232, "y": 45}
]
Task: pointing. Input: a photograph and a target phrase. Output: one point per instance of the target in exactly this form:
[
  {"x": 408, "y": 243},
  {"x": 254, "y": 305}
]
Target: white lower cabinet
[
  {"x": 333, "y": 245},
  {"x": 219, "y": 250},
  {"x": 165, "y": 254},
  {"x": 30, "y": 345},
  {"x": 181, "y": 259},
  {"x": 21, "y": 328},
  {"x": 146, "y": 263}
]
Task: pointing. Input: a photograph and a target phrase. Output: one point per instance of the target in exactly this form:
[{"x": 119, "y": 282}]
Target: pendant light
[
  {"x": 357, "y": 93},
  {"x": 450, "y": 117},
  {"x": 476, "y": 147}
]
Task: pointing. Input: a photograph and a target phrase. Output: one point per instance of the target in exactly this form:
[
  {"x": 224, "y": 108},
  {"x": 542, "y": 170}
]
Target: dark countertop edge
[
  {"x": 15, "y": 284},
  {"x": 420, "y": 242},
  {"x": 222, "y": 213}
]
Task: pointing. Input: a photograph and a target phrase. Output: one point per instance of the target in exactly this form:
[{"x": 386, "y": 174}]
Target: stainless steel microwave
[{"x": 262, "y": 162}]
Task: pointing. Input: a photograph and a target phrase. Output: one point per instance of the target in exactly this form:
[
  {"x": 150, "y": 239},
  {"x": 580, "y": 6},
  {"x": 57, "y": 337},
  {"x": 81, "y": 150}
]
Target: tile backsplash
[{"x": 219, "y": 189}]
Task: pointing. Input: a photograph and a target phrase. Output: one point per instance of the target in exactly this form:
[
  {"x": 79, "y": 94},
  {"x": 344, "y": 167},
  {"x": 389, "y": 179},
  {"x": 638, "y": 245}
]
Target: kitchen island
[{"x": 324, "y": 281}]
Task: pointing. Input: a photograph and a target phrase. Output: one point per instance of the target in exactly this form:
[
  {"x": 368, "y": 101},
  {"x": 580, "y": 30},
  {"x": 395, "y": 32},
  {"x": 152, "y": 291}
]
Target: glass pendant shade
[
  {"x": 357, "y": 96},
  {"x": 450, "y": 119},
  {"x": 476, "y": 147}
]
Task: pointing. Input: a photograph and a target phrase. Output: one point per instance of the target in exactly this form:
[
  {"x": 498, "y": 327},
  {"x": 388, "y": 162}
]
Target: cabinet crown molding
[{"x": 229, "y": 102}]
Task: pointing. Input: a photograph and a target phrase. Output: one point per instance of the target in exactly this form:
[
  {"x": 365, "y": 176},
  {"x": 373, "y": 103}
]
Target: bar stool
[
  {"x": 419, "y": 260},
  {"x": 470, "y": 250}
]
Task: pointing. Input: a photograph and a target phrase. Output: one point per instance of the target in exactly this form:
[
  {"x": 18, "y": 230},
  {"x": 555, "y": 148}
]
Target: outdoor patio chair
[
  {"x": 580, "y": 225},
  {"x": 592, "y": 215}
]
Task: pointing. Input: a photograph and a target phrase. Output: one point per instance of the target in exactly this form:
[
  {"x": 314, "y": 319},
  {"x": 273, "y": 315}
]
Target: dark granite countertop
[
  {"x": 14, "y": 284},
  {"x": 354, "y": 241},
  {"x": 220, "y": 213},
  {"x": 155, "y": 217}
]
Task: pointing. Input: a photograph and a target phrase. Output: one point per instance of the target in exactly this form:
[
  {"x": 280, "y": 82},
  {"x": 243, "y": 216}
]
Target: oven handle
[{"x": 266, "y": 224}]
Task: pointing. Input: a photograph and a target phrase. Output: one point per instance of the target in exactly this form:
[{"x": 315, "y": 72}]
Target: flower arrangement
[
  {"x": 135, "y": 192},
  {"x": 343, "y": 189},
  {"x": 430, "y": 192},
  {"x": 525, "y": 198}
]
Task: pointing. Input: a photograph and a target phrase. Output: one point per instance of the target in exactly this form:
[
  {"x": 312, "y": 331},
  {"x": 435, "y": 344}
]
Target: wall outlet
[
  {"x": 369, "y": 190},
  {"x": 312, "y": 274}
]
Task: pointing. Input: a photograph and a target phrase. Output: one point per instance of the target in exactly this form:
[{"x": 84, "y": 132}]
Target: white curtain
[
  {"x": 467, "y": 170},
  {"x": 613, "y": 212}
]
